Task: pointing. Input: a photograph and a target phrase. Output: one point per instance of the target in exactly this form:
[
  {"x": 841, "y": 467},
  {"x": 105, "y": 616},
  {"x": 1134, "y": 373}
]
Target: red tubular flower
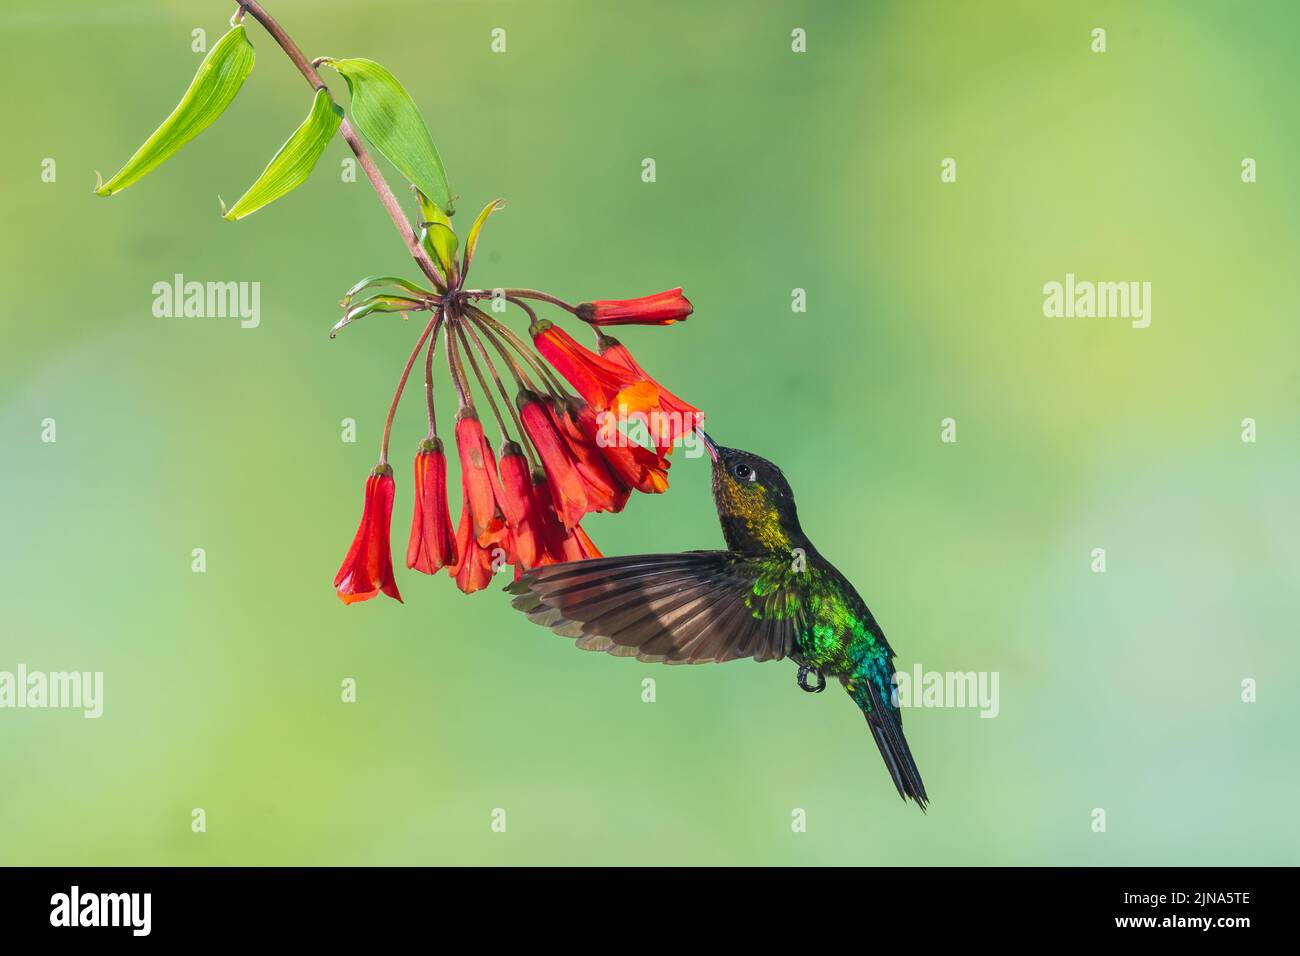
[
  {"x": 368, "y": 567},
  {"x": 624, "y": 389},
  {"x": 579, "y": 547},
  {"x": 477, "y": 562},
  {"x": 473, "y": 568},
  {"x": 478, "y": 476},
  {"x": 515, "y": 488},
  {"x": 638, "y": 466},
  {"x": 562, "y": 544},
  {"x": 600, "y": 382},
  {"x": 432, "y": 543},
  {"x": 676, "y": 416},
  {"x": 663, "y": 308},
  {"x": 551, "y": 533},
  {"x": 521, "y": 507},
  {"x": 608, "y": 386},
  {"x": 605, "y": 491},
  {"x": 562, "y": 476}
]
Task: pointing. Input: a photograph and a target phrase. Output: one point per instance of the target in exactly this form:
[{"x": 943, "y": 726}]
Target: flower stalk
[{"x": 559, "y": 456}]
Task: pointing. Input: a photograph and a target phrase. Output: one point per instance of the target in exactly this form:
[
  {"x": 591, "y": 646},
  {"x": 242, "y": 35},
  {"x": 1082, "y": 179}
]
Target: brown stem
[
  {"x": 522, "y": 348},
  {"x": 456, "y": 368},
  {"x": 521, "y": 378},
  {"x": 386, "y": 196},
  {"x": 428, "y": 381},
  {"x": 532, "y": 321},
  {"x": 525, "y": 294},
  {"x": 482, "y": 383},
  {"x": 505, "y": 396},
  {"x": 401, "y": 387}
]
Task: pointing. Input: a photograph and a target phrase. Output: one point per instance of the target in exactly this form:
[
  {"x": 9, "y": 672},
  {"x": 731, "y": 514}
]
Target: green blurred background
[{"x": 775, "y": 171}]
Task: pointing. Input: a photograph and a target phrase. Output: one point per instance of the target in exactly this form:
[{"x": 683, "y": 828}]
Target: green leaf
[
  {"x": 390, "y": 120},
  {"x": 290, "y": 167},
  {"x": 219, "y": 78},
  {"x": 436, "y": 234},
  {"x": 370, "y": 282},
  {"x": 472, "y": 241},
  {"x": 379, "y": 303}
]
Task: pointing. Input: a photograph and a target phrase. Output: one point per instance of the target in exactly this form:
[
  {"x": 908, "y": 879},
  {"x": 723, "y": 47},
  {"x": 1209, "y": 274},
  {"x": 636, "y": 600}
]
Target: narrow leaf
[
  {"x": 380, "y": 281},
  {"x": 390, "y": 120},
  {"x": 380, "y": 303},
  {"x": 219, "y": 78},
  {"x": 472, "y": 240},
  {"x": 290, "y": 167}
]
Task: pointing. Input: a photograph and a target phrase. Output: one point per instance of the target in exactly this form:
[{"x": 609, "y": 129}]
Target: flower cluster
[{"x": 560, "y": 456}]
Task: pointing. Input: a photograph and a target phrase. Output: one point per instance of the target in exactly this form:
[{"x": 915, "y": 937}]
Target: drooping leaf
[
  {"x": 379, "y": 303},
  {"x": 436, "y": 234},
  {"x": 389, "y": 119},
  {"x": 370, "y": 282},
  {"x": 472, "y": 240},
  {"x": 219, "y": 78},
  {"x": 293, "y": 163}
]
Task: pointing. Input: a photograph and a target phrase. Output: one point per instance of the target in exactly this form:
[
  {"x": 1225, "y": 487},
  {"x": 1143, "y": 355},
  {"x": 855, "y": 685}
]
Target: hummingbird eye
[{"x": 743, "y": 471}]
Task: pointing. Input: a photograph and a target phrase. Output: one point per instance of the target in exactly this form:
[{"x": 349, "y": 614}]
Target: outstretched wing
[{"x": 690, "y": 608}]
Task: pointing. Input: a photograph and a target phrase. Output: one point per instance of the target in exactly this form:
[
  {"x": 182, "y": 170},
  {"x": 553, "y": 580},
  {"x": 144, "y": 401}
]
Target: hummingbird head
[{"x": 754, "y": 501}]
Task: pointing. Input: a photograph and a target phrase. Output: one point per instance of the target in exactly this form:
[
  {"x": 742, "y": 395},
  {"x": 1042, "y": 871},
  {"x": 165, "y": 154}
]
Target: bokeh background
[{"x": 775, "y": 171}]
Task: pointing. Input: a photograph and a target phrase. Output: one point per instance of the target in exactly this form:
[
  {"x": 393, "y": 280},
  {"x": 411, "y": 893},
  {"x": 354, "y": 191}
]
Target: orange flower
[
  {"x": 676, "y": 417},
  {"x": 631, "y": 465},
  {"x": 602, "y": 383}
]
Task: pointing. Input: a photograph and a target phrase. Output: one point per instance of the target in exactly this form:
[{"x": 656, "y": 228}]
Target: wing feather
[{"x": 690, "y": 608}]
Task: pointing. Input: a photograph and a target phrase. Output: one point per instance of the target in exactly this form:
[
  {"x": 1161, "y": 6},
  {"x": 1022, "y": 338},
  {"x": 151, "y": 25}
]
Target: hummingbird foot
[{"x": 811, "y": 688}]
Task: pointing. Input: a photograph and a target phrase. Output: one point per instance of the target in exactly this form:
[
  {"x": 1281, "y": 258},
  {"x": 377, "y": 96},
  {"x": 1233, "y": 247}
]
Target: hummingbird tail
[{"x": 886, "y": 723}]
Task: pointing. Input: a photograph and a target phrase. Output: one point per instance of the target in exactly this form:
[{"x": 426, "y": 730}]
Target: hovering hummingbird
[{"x": 770, "y": 595}]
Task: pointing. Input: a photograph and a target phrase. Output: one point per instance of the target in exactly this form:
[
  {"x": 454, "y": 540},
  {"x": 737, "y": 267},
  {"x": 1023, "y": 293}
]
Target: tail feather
[{"x": 887, "y": 728}]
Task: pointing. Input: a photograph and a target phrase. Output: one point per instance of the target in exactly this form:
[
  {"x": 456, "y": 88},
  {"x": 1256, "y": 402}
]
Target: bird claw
[{"x": 811, "y": 688}]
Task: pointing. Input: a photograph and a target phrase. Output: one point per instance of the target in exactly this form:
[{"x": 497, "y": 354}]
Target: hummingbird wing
[{"x": 689, "y": 608}]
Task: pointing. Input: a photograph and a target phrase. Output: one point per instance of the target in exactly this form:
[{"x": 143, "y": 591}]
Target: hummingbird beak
[{"x": 709, "y": 446}]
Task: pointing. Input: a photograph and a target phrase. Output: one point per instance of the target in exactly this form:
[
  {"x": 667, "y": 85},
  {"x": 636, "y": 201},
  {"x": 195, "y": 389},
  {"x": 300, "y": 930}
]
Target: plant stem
[
  {"x": 401, "y": 387},
  {"x": 457, "y": 370},
  {"x": 386, "y": 196},
  {"x": 505, "y": 396},
  {"x": 522, "y": 381},
  {"x": 532, "y": 323},
  {"x": 529, "y": 356},
  {"x": 482, "y": 383},
  {"x": 524, "y": 294},
  {"x": 428, "y": 381}
]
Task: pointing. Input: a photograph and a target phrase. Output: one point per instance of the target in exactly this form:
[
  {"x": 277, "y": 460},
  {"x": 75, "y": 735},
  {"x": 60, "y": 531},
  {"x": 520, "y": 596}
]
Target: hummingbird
[{"x": 769, "y": 596}]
